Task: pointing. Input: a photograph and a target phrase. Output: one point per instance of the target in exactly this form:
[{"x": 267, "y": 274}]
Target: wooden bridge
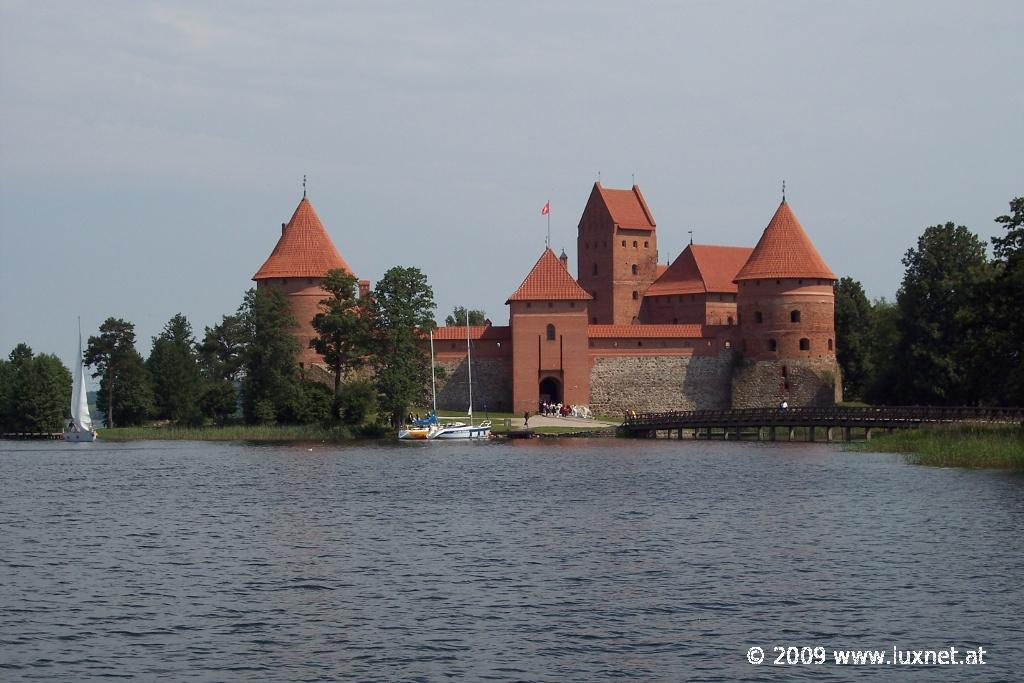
[{"x": 847, "y": 423}]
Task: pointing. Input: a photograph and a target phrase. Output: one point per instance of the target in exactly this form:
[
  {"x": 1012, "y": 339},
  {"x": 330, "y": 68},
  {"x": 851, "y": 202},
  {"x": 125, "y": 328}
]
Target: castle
[{"x": 720, "y": 327}]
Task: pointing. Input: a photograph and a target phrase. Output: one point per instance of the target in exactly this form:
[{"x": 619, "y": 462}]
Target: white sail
[{"x": 79, "y": 395}]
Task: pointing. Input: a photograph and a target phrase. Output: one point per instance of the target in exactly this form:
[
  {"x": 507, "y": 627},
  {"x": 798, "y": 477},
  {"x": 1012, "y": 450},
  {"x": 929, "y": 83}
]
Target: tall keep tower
[
  {"x": 303, "y": 255},
  {"x": 786, "y": 312},
  {"x": 617, "y": 253}
]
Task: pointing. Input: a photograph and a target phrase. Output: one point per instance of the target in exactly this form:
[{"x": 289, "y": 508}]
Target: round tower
[
  {"x": 303, "y": 255},
  {"x": 786, "y": 310}
]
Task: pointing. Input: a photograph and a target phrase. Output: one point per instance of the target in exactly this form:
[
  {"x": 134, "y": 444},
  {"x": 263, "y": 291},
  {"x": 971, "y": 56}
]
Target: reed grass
[
  {"x": 227, "y": 433},
  {"x": 984, "y": 446}
]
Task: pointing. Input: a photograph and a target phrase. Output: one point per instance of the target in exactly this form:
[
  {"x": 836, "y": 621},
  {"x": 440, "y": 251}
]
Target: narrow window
[
  {"x": 623, "y": 242},
  {"x": 805, "y": 344},
  {"x": 794, "y": 316},
  {"x": 783, "y": 370},
  {"x": 635, "y": 295},
  {"x": 639, "y": 343},
  {"x": 645, "y": 244},
  {"x": 730, "y": 320},
  {"x": 635, "y": 269},
  {"x": 772, "y": 346},
  {"x": 829, "y": 344},
  {"x": 551, "y": 332},
  {"x": 634, "y": 244},
  {"x": 758, "y": 317},
  {"x": 595, "y": 269}
]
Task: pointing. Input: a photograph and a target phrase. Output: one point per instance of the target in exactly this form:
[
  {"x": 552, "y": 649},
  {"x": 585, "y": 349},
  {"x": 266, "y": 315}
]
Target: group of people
[{"x": 564, "y": 410}]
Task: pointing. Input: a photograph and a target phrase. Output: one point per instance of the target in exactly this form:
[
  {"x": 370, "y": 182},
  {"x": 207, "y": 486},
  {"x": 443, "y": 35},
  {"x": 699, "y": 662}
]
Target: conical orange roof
[
  {"x": 784, "y": 251},
  {"x": 549, "y": 281},
  {"x": 304, "y": 250}
]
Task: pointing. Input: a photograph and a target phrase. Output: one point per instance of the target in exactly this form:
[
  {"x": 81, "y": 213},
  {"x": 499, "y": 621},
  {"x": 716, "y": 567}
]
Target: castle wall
[
  {"x": 492, "y": 384},
  {"x": 800, "y": 381},
  {"x": 659, "y": 382}
]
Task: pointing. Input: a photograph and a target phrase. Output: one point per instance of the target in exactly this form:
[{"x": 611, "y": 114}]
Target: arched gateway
[{"x": 550, "y": 390}]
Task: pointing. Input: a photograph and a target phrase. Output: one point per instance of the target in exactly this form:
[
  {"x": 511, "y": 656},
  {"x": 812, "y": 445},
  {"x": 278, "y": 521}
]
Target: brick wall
[
  {"x": 492, "y": 384},
  {"x": 659, "y": 383},
  {"x": 800, "y": 381}
]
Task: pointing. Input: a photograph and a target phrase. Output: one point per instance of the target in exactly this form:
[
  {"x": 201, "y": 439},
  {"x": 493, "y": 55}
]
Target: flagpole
[{"x": 549, "y": 224}]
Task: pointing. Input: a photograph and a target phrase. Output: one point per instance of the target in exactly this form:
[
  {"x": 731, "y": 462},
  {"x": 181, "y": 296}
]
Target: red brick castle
[{"x": 719, "y": 327}]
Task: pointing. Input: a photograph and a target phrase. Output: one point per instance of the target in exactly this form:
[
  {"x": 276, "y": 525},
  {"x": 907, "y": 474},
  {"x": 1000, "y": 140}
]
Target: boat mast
[
  {"x": 469, "y": 366},
  {"x": 433, "y": 383}
]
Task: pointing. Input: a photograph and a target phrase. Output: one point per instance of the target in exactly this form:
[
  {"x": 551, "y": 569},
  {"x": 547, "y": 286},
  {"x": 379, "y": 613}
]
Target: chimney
[
  {"x": 283, "y": 226},
  {"x": 364, "y": 289},
  {"x": 564, "y": 259}
]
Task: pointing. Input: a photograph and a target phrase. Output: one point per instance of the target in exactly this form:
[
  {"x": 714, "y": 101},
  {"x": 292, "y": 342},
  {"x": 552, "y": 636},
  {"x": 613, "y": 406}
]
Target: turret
[
  {"x": 303, "y": 255},
  {"x": 786, "y": 311}
]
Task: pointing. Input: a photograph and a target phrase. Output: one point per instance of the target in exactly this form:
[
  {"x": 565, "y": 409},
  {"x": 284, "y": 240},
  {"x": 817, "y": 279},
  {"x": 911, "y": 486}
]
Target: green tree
[
  {"x": 35, "y": 392},
  {"x": 885, "y": 337},
  {"x": 174, "y": 368},
  {"x": 853, "y": 337},
  {"x": 1006, "y": 296},
  {"x": 342, "y": 327},
  {"x": 117, "y": 364},
  {"x": 221, "y": 353},
  {"x": 269, "y": 361},
  {"x": 458, "y": 317},
  {"x": 403, "y": 308},
  {"x": 940, "y": 326}
]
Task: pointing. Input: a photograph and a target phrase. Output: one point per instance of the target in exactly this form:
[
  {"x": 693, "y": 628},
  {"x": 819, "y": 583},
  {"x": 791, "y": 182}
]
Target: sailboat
[
  {"x": 79, "y": 427},
  {"x": 427, "y": 428},
  {"x": 460, "y": 430}
]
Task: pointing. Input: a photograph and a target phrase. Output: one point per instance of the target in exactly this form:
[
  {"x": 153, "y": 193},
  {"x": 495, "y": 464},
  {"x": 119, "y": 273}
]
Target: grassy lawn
[{"x": 991, "y": 446}]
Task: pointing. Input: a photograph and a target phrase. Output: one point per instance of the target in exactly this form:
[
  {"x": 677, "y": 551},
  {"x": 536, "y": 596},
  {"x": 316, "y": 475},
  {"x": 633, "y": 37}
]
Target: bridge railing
[{"x": 823, "y": 416}]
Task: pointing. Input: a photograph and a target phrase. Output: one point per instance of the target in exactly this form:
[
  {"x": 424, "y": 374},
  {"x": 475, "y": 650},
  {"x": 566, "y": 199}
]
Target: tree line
[{"x": 955, "y": 333}]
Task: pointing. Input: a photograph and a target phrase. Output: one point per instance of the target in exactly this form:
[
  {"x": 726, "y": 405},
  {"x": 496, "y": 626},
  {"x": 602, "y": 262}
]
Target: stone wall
[
  {"x": 801, "y": 382},
  {"x": 492, "y": 385},
  {"x": 659, "y": 383}
]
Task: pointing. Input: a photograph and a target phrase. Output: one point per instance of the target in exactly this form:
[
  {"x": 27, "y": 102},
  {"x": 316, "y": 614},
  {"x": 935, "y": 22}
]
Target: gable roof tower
[
  {"x": 549, "y": 280},
  {"x": 702, "y": 268}
]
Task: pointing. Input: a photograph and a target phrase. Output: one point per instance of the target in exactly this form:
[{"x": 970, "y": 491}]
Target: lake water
[{"x": 575, "y": 560}]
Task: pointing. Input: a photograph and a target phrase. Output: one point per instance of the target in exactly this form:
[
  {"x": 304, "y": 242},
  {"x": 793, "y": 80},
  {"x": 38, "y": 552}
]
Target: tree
[
  {"x": 1006, "y": 295},
  {"x": 403, "y": 308},
  {"x": 458, "y": 317},
  {"x": 133, "y": 400},
  {"x": 114, "y": 357},
  {"x": 940, "y": 325},
  {"x": 35, "y": 392},
  {"x": 271, "y": 371},
  {"x": 885, "y": 337},
  {"x": 218, "y": 400},
  {"x": 853, "y": 336},
  {"x": 342, "y": 327},
  {"x": 221, "y": 353},
  {"x": 174, "y": 368}
]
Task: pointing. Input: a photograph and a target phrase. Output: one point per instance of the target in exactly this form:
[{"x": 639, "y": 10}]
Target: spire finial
[
  {"x": 691, "y": 236},
  {"x": 303, "y": 185},
  {"x": 783, "y": 191},
  {"x": 633, "y": 176},
  {"x": 599, "y": 177}
]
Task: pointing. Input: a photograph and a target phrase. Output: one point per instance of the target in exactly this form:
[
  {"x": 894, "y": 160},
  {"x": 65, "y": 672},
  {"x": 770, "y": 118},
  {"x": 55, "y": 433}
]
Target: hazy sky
[{"x": 150, "y": 151}]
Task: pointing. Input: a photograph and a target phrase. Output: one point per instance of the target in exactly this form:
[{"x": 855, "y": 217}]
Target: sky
[{"x": 149, "y": 151}]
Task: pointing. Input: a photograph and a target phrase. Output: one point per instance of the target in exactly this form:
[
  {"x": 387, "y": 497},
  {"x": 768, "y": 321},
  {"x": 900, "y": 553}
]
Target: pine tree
[{"x": 173, "y": 365}]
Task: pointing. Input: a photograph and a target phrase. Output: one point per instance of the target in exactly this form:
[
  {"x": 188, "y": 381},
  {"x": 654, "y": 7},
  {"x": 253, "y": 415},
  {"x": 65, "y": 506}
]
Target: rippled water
[{"x": 553, "y": 561}]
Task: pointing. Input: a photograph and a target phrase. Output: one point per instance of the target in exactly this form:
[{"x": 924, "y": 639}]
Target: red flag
[{"x": 546, "y": 210}]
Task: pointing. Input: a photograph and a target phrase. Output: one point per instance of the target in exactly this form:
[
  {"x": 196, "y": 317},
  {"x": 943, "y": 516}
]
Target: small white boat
[
  {"x": 79, "y": 428},
  {"x": 461, "y": 430},
  {"x": 427, "y": 428}
]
